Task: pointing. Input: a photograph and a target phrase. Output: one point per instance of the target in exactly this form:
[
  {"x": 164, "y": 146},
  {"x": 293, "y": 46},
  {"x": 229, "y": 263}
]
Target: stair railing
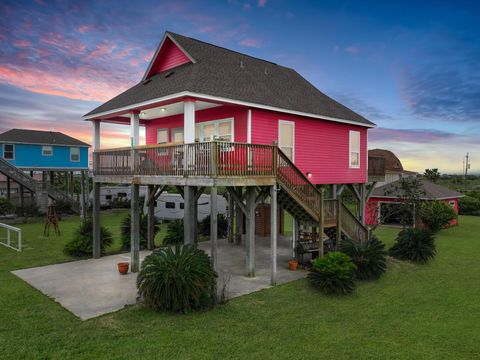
[
  {"x": 17, "y": 175},
  {"x": 351, "y": 225}
]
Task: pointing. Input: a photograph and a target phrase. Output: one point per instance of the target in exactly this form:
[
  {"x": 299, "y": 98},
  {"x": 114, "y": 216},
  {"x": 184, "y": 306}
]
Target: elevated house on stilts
[{"x": 218, "y": 118}]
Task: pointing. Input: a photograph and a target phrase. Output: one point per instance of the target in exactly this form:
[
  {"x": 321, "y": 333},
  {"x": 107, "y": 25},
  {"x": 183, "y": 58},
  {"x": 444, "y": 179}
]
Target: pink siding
[
  {"x": 371, "y": 209},
  {"x": 321, "y": 146},
  {"x": 169, "y": 57},
  {"x": 239, "y": 115}
]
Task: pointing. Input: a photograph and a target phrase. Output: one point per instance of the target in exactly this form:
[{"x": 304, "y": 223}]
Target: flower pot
[
  {"x": 123, "y": 267},
  {"x": 292, "y": 265}
]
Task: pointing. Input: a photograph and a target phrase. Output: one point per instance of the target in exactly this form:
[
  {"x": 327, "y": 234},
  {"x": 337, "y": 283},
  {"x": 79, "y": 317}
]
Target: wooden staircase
[
  {"x": 35, "y": 186},
  {"x": 304, "y": 201}
]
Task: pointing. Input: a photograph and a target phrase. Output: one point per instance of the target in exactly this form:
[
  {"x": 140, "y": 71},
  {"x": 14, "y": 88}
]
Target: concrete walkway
[{"x": 93, "y": 287}]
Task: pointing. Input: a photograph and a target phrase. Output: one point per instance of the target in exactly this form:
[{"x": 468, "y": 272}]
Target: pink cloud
[
  {"x": 262, "y": 3},
  {"x": 102, "y": 50},
  {"x": 250, "y": 42},
  {"x": 23, "y": 43}
]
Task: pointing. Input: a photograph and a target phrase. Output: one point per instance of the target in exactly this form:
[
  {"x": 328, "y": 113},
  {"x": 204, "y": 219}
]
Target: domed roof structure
[{"x": 392, "y": 162}]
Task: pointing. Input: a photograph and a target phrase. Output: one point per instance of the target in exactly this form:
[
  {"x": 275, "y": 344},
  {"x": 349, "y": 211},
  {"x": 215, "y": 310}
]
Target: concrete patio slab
[{"x": 93, "y": 287}]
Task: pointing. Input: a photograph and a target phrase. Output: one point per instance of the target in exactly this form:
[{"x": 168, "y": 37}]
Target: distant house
[
  {"x": 393, "y": 166},
  {"x": 43, "y": 150},
  {"x": 383, "y": 200}
]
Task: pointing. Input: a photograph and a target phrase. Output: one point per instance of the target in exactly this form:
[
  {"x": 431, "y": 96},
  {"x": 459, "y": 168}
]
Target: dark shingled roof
[
  {"x": 228, "y": 74},
  {"x": 39, "y": 137},
  {"x": 432, "y": 191},
  {"x": 392, "y": 162}
]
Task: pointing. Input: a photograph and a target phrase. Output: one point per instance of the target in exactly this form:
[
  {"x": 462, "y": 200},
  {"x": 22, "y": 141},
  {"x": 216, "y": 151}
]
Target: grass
[{"x": 414, "y": 311}]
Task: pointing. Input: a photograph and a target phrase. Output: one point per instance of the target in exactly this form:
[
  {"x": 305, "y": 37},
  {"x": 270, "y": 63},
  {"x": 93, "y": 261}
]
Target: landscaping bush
[
  {"x": 222, "y": 225},
  {"x": 177, "y": 280},
  {"x": 82, "y": 243},
  {"x": 174, "y": 233},
  {"x": 435, "y": 215},
  {"x": 370, "y": 257},
  {"x": 6, "y": 207},
  {"x": 125, "y": 231},
  {"x": 63, "y": 207},
  {"x": 469, "y": 205},
  {"x": 29, "y": 210},
  {"x": 417, "y": 245},
  {"x": 333, "y": 274}
]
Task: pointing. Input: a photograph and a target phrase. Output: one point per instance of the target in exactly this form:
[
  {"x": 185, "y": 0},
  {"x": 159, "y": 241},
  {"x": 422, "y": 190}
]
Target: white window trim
[
  {"x": 79, "y": 154},
  {"x": 168, "y": 135},
  {"x": 287, "y": 122},
  {"x": 216, "y": 123},
  {"x": 451, "y": 203},
  {"x": 350, "y": 149},
  {"x": 43, "y": 150},
  {"x": 13, "y": 151}
]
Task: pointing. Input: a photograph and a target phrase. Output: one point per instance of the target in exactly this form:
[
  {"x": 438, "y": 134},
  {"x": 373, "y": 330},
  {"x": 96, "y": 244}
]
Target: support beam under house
[
  {"x": 214, "y": 227},
  {"x": 135, "y": 228},
  {"x": 273, "y": 234},
  {"x": 250, "y": 235},
  {"x": 96, "y": 221}
]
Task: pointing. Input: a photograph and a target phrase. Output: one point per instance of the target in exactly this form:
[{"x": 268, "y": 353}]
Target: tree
[{"x": 432, "y": 175}]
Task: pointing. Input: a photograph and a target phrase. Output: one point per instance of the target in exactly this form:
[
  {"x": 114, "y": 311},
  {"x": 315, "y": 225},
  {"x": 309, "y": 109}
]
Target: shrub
[
  {"x": 370, "y": 257},
  {"x": 222, "y": 225},
  {"x": 436, "y": 214},
  {"x": 6, "y": 207},
  {"x": 417, "y": 245},
  {"x": 125, "y": 231},
  {"x": 333, "y": 274},
  {"x": 63, "y": 207},
  {"x": 29, "y": 210},
  {"x": 177, "y": 280},
  {"x": 120, "y": 203},
  {"x": 174, "y": 233},
  {"x": 82, "y": 243},
  {"x": 469, "y": 205}
]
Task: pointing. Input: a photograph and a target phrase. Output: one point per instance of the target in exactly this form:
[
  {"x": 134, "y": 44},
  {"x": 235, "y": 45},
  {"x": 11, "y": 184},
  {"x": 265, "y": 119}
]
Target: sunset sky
[{"x": 411, "y": 68}]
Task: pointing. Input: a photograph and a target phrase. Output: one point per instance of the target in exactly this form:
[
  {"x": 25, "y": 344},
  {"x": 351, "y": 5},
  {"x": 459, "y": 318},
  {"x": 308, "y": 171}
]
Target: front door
[{"x": 286, "y": 138}]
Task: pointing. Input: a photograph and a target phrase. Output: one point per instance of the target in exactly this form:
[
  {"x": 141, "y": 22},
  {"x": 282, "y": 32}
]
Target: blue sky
[{"x": 413, "y": 68}]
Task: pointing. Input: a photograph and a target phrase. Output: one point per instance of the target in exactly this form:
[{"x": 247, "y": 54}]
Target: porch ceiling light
[
  {"x": 309, "y": 175},
  {"x": 163, "y": 109}
]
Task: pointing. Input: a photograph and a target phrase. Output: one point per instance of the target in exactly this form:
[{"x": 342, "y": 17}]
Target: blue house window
[
  {"x": 75, "y": 154},
  {"x": 47, "y": 150},
  {"x": 8, "y": 151}
]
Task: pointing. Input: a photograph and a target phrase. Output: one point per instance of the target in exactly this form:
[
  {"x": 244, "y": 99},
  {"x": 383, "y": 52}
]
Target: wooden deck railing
[
  {"x": 348, "y": 221},
  {"x": 298, "y": 185},
  {"x": 209, "y": 159}
]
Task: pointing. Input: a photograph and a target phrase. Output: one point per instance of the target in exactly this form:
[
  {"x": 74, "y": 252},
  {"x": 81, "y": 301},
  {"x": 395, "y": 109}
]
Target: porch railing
[{"x": 209, "y": 159}]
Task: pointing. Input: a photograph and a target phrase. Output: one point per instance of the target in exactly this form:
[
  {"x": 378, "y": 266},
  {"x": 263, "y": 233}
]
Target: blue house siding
[{"x": 30, "y": 156}]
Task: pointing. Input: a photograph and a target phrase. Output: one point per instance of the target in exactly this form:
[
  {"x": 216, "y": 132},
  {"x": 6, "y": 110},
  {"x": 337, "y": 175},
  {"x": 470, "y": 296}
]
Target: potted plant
[
  {"x": 292, "y": 264},
  {"x": 123, "y": 267}
]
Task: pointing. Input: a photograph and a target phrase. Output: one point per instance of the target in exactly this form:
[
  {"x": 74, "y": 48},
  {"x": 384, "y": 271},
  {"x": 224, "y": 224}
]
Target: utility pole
[{"x": 467, "y": 167}]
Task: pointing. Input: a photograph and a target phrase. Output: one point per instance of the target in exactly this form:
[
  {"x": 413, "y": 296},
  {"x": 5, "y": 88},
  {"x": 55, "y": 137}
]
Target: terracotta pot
[
  {"x": 123, "y": 267},
  {"x": 292, "y": 265}
]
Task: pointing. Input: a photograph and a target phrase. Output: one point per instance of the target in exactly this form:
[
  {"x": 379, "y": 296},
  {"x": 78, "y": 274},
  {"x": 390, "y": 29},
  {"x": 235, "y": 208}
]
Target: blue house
[
  {"x": 61, "y": 160},
  {"x": 35, "y": 150}
]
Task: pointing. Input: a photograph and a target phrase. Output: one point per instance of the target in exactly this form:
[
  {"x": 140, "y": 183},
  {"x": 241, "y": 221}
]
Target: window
[
  {"x": 286, "y": 138},
  {"x": 75, "y": 154},
  {"x": 354, "y": 149},
  {"x": 218, "y": 129},
  {"x": 169, "y": 205},
  {"x": 451, "y": 203},
  {"x": 47, "y": 150},
  {"x": 182, "y": 205},
  {"x": 108, "y": 197},
  {"x": 122, "y": 195},
  {"x": 8, "y": 151},
  {"x": 177, "y": 135},
  {"x": 162, "y": 136}
]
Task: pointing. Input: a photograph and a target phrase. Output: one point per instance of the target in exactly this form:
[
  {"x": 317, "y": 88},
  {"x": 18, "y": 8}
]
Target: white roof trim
[
  {"x": 42, "y": 144},
  {"x": 224, "y": 100},
  {"x": 422, "y": 198},
  {"x": 158, "y": 51}
]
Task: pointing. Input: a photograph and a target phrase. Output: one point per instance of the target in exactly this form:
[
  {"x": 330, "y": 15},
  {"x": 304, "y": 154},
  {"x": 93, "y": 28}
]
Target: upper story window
[
  {"x": 8, "y": 151},
  {"x": 214, "y": 130},
  {"x": 177, "y": 135},
  {"x": 75, "y": 154},
  {"x": 162, "y": 136},
  {"x": 286, "y": 138},
  {"x": 354, "y": 149},
  {"x": 47, "y": 150}
]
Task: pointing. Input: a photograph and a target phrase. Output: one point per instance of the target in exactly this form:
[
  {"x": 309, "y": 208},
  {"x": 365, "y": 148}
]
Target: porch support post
[
  {"x": 250, "y": 235},
  {"x": 238, "y": 220},
  {"x": 8, "y": 188},
  {"x": 151, "y": 218},
  {"x": 334, "y": 191},
  {"x": 273, "y": 234},
  {"x": 361, "y": 203},
  {"x": 189, "y": 121},
  {"x": 22, "y": 198},
  {"x": 96, "y": 220},
  {"x": 96, "y": 135},
  {"x": 84, "y": 195},
  {"x": 231, "y": 218},
  {"x": 134, "y": 128},
  {"x": 339, "y": 224},
  {"x": 213, "y": 227},
  {"x": 295, "y": 237},
  {"x": 188, "y": 220},
  {"x": 135, "y": 228}
]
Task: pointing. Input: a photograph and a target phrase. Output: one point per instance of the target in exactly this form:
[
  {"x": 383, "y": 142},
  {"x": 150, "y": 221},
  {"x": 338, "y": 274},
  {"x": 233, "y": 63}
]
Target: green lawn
[{"x": 413, "y": 312}]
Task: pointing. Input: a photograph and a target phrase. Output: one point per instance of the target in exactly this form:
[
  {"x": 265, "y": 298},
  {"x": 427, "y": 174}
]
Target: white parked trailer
[
  {"x": 111, "y": 193},
  {"x": 171, "y": 206}
]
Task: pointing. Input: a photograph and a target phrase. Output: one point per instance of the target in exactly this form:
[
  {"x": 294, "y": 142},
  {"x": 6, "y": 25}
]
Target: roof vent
[
  {"x": 241, "y": 64},
  {"x": 146, "y": 81},
  {"x": 266, "y": 72},
  {"x": 170, "y": 73}
]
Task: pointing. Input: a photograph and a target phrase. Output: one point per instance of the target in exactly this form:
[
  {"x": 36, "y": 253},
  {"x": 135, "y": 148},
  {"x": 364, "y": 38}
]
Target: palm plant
[
  {"x": 370, "y": 257},
  {"x": 333, "y": 274},
  {"x": 417, "y": 245}
]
